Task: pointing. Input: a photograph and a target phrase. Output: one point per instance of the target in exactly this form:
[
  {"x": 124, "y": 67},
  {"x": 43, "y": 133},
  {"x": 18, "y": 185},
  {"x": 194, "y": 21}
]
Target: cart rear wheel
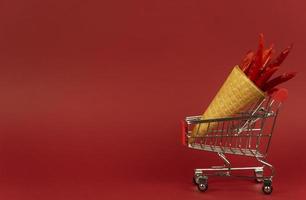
[
  {"x": 203, "y": 187},
  {"x": 202, "y": 184}
]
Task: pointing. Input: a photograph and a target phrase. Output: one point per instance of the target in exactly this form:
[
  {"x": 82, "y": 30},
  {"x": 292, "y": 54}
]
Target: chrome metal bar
[
  {"x": 272, "y": 128},
  {"x": 265, "y": 163},
  {"x": 221, "y": 138},
  {"x": 253, "y": 112},
  {"x": 225, "y": 160},
  {"x": 231, "y": 169},
  {"x": 216, "y": 133}
]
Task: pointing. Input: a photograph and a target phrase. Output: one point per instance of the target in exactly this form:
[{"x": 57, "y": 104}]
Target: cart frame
[{"x": 247, "y": 133}]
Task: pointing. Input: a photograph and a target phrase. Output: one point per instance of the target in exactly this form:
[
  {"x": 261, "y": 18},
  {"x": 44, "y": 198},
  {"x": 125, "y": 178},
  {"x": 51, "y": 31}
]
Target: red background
[{"x": 92, "y": 93}]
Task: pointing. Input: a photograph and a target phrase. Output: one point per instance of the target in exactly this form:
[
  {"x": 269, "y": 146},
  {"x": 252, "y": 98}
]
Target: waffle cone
[{"x": 236, "y": 93}]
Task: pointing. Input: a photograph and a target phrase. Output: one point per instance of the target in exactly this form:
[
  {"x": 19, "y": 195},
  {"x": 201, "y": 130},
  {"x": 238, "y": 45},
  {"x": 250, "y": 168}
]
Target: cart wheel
[
  {"x": 267, "y": 189},
  {"x": 267, "y": 186},
  {"x": 202, "y": 184}
]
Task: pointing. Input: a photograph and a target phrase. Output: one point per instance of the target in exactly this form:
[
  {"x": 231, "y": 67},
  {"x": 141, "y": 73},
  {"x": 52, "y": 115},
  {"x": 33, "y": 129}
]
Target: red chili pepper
[
  {"x": 281, "y": 57},
  {"x": 250, "y": 69},
  {"x": 255, "y": 68},
  {"x": 253, "y": 71},
  {"x": 265, "y": 76},
  {"x": 278, "y": 80},
  {"x": 245, "y": 63},
  {"x": 267, "y": 54},
  {"x": 266, "y": 57},
  {"x": 271, "y": 91}
]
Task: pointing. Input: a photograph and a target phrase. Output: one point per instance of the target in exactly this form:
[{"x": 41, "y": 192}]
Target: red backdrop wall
[{"x": 92, "y": 93}]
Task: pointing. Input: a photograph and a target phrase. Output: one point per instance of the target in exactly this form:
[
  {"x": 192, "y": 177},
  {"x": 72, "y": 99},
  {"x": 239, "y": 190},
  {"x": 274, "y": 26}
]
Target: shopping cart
[{"x": 247, "y": 134}]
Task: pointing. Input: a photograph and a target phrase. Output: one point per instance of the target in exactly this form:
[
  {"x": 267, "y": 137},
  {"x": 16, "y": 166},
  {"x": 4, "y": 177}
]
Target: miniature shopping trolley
[{"x": 246, "y": 134}]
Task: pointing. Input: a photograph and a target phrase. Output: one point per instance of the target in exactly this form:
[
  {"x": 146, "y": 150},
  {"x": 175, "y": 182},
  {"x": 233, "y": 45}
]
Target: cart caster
[
  {"x": 259, "y": 175},
  {"x": 267, "y": 186},
  {"x": 196, "y": 178},
  {"x": 202, "y": 184}
]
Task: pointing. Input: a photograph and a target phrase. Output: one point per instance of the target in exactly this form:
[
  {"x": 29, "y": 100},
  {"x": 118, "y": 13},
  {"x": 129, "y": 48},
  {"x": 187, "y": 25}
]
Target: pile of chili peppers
[{"x": 260, "y": 66}]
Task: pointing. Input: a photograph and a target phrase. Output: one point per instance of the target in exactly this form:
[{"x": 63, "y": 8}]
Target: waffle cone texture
[{"x": 236, "y": 93}]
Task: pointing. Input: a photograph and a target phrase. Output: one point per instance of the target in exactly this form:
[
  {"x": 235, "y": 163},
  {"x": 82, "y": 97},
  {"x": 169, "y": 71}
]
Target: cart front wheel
[
  {"x": 267, "y": 189},
  {"x": 267, "y": 186}
]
